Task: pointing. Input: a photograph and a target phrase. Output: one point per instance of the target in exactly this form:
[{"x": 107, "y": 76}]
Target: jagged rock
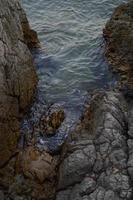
[
  {"x": 52, "y": 120},
  {"x": 94, "y": 159},
  {"x": 17, "y": 75},
  {"x": 119, "y": 43}
]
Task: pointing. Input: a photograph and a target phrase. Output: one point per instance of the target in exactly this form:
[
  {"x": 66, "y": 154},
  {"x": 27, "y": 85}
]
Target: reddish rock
[
  {"x": 36, "y": 165},
  {"x": 118, "y": 34},
  {"x": 52, "y": 121}
]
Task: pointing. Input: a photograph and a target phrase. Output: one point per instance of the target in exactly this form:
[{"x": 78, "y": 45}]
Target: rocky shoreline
[{"x": 96, "y": 160}]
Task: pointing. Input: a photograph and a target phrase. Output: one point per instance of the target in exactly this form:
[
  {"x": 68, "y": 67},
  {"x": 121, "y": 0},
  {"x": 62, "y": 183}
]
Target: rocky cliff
[
  {"x": 17, "y": 74},
  {"x": 96, "y": 161}
]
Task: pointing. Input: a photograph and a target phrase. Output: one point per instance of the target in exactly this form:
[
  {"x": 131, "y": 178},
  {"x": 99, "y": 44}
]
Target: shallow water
[{"x": 71, "y": 62}]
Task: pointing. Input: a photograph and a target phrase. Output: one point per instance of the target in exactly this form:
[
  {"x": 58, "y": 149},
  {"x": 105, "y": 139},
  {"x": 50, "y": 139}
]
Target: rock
[
  {"x": 36, "y": 165},
  {"x": 17, "y": 75},
  {"x": 130, "y": 144},
  {"x": 1, "y": 195},
  {"x": 36, "y": 175},
  {"x": 94, "y": 158},
  {"x": 97, "y": 158},
  {"x": 52, "y": 120},
  {"x": 72, "y": 169},
  {"x": 18, "y": 198},
  {"x": 30, "y": 36},
  {"x": 118, "y": 34}
]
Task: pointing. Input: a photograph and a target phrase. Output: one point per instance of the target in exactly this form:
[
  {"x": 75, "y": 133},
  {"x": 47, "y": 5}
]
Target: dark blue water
[{"x": 71, "y": 61}]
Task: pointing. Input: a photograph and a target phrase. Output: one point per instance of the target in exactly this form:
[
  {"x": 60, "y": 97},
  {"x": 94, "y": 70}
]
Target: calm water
[{"x": 71, "y": 62}]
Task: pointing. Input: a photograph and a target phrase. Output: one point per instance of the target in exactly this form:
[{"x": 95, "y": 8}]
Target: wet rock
[
  {"x": 52, "y": 121},
  {"x": 17, "y": 76},
  {"x": 94, "y": 158},
  {"x": 118, "y": 34},
  {"x": 30, "y": 36},
  {"x": 37, "y": 166}
]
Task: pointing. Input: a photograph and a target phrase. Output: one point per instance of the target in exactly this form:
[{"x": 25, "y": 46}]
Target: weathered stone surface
[
  {"x": 37, "y": 166},
  {"x": 17, "y": 75},
  {"x": 94, "y": 160},
  {"x": 31, "y": 176},
  {"x": 119, "y": 43}
]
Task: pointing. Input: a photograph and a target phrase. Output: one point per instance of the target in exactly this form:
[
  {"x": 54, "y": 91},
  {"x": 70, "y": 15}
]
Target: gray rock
[
  {"x": 98, "y": 169},
  {"x": 76, "y": 165},
  {"x": 109, "y": 195},
  {"x": 63, "y": 195},
  {"x": 88, "y": 185}
]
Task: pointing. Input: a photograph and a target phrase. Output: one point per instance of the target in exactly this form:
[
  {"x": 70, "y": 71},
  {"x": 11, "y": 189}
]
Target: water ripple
[{"x": 71, "y": 62}]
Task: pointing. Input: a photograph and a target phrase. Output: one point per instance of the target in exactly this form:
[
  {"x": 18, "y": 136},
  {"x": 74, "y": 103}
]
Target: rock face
[
  {"x": 94, "y": 160},
  {"x": 119, "y": 42},
  {"x": 17, "y": 74}
]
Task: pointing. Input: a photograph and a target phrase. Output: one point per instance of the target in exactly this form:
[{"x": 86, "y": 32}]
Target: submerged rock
[
  {"x": 52, "y": 120},
  {"x": 118, "y": 34},
  {"x": 17, "y": 76}
]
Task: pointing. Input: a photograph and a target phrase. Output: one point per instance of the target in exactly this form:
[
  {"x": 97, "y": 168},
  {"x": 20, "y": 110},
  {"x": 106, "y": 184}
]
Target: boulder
[{"x": 36, "y": 165}]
